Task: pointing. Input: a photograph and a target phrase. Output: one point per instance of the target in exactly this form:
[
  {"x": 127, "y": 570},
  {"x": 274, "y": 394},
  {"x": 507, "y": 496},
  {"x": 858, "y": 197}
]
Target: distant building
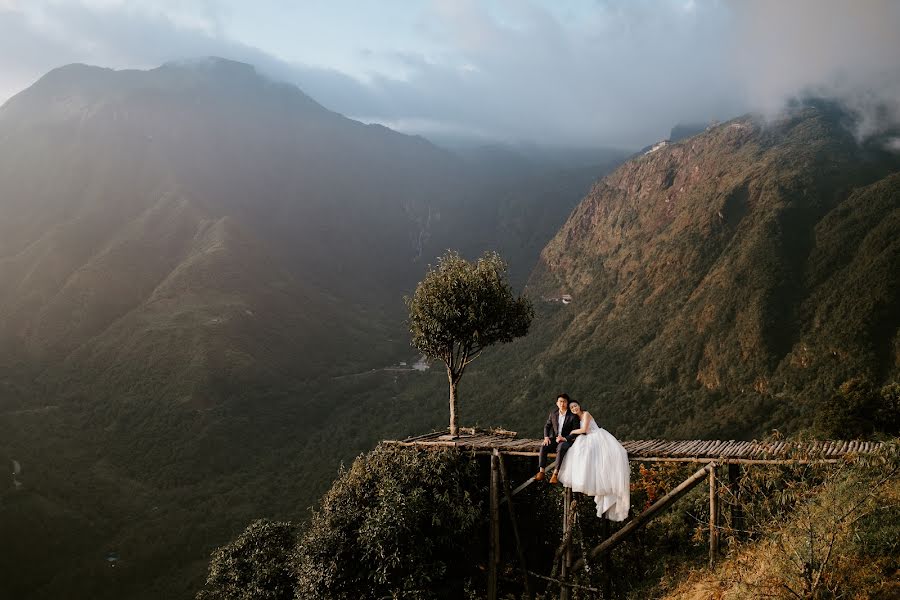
[{"x": 657, "y": 146}]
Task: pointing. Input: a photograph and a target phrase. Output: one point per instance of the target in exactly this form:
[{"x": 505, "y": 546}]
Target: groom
[{"x": 557, "y": 434}]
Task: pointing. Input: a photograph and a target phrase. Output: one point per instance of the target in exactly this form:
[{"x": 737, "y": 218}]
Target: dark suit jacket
[{"x": 551, "y": 427}]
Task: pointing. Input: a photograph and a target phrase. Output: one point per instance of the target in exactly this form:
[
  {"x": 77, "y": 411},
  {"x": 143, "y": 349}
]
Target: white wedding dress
[{"x": 597, "y": 465}]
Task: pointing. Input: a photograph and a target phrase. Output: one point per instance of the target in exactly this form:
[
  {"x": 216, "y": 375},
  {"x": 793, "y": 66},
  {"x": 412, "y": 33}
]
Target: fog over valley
[{"x": 449, "y": 299}]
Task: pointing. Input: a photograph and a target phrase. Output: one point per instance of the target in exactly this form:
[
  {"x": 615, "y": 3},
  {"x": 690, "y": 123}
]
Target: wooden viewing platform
[
  {"x": 730, "y": 456},
  {"x": 698, "y": 451}
]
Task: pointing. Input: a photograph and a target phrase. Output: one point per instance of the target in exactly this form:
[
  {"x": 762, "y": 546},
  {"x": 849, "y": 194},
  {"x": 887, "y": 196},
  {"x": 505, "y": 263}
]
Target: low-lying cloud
[
  {"x": 848, "y": 51},
  {"x": 620, "y": 74}
]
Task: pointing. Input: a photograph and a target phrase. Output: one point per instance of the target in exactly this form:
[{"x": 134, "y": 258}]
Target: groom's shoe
[
  {"x": 553, "y": 479},
  {"x": 539, "y": 476}
]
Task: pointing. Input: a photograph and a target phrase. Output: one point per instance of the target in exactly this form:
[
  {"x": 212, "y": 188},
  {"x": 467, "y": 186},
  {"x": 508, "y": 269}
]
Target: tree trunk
[{"x": 453, "y": 384}]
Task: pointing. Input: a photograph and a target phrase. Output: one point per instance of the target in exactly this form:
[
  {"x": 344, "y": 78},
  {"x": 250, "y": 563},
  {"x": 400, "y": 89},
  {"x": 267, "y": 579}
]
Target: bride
[{"x": 597, "y": 465}]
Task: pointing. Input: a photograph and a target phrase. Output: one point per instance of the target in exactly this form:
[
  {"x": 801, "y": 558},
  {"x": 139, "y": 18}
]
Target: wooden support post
[
  {"x": 664, "y": 502},
  {"x": 570, "y": 552},
  {"x": 504, "y": 476},
  {"x": 737, "y": 511},
  {"x": 494, "y": 554},
  {"x": 567, "y": 535},
  {"x": 713, "y": 517},
  {"x": 606, "y": 564}
]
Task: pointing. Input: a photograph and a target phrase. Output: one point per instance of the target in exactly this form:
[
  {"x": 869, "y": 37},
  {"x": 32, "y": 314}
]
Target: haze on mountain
[
  {"x": 195, "y": 257},
  {"x": 617, "y": 73},
  {"x": 202, "y": 267}
]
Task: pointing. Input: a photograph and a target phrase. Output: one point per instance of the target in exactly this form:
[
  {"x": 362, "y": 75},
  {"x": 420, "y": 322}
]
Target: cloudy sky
[{"x": 573, "y": 72}]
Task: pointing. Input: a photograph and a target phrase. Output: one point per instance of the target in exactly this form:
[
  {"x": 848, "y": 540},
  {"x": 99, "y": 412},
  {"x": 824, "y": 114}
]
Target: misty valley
[{"x": 207, "y": 282}]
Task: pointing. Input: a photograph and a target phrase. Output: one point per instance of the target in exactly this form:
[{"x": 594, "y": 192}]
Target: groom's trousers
[{"x": 561, "y": 448}]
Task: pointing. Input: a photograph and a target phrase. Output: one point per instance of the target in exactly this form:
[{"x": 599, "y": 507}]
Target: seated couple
[{"x": 588, "y": 458}]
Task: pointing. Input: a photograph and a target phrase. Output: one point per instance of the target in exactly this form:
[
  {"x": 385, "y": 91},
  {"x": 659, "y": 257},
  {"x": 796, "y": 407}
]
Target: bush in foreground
[
  {"x": 255, "y": 566},
  {"x": 400, "y": 523}
]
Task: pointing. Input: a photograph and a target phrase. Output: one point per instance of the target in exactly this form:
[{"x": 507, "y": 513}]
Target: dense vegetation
[
  {"x": 408, "y": 523},
  {"x": 194, "y": 337},
  {"x": 199, "y": 268},
  {"x": 396, "y": 524},
  {"x": 741, "y": 280},
  {"x": 722, "y": 286}
]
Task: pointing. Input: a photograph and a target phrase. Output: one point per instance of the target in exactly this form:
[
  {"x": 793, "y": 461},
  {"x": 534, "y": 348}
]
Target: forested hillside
[
  {"x": 201, "y": 281},
  {"x": 721, "y": 286},
  {"x": 201, "y": 315},
  {"x": 741, "y": 280}
]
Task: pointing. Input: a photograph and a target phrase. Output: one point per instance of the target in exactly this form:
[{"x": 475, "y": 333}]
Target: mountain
[
  {"x": 200, "y": 201},
  {"x": 194, "y": 197},
  {"x": 201, "y": 282},
  {"x": 720, "y": 286}
]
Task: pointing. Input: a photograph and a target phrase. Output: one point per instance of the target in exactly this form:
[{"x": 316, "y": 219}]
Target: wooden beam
[
  {"x": 738, "y": 461},
  {"x": 642, "y": 519},
  {"x": 423, "y": 436},
  {"x": 721, "y": 451},
  {"x": 699, "y": 459},
  {"x": 504, "y": 476},
  {"x": 530, "y": 480},
  {"x": 568, "y": 526},
  {"x": 713, "y": 518},
  {"x": 523, "y": 453},
  {"x": 606, "y": 563},
  {"x": 494, "y": 553},
  {"x": 737, "y": 511},
  {"x": 563, "y": 583},
  {"x": 702, "y": 459}
]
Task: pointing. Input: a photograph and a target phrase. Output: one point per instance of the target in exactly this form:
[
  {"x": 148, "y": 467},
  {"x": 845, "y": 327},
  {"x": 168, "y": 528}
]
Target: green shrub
[
  {"x": 255, "y": 566},
  {"x": 400, "y": 523}
]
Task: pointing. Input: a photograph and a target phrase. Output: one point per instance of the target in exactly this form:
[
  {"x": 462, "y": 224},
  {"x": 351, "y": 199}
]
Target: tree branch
[
  {"x": 474, "y": 353},
  {"x": 449, "y": 360}
]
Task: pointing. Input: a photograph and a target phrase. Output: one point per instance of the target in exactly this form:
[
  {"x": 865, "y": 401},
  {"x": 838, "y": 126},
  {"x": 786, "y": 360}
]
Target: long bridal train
[{"x": 597, "y": 465}]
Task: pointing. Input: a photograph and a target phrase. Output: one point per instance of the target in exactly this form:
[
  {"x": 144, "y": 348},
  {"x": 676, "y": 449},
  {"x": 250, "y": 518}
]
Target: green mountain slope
[
  {"x": 717, "y": 287},
  {"x": 201, "y": 281},
  {"x": 186, "y": 255},
  {"x": 112, "y": 179},
  {"x": 720, "y": 286}
]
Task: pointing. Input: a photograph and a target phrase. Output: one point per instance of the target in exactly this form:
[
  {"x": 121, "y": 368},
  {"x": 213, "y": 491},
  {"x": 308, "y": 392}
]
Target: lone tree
[{"x": 461, "y": 308}]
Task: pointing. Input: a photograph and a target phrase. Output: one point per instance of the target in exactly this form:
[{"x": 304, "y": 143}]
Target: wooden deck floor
[{"x": 699, "y": 451}]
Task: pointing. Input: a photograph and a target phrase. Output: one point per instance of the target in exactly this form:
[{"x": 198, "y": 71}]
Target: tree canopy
[
  {"x": 460, "y": 308},
  {"x": 255, "y": 566},
  {"x": 394, "y": 526}
]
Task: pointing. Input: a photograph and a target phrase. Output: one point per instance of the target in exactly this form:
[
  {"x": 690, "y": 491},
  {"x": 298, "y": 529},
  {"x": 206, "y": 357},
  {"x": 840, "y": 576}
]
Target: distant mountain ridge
[
  {"x": 123, "y": 187},
  {"x": 725, "y": 284},
  {"x": 112, "y": 180}
]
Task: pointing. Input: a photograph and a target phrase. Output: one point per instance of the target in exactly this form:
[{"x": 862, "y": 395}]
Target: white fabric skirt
[{"x": 597, "y": 465}]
